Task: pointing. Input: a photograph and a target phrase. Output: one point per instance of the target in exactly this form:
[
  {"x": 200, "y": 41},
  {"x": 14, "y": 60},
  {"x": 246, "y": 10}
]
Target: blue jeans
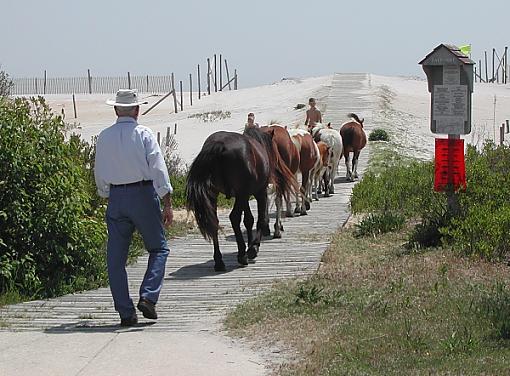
[{"x": 129, "y": 208}]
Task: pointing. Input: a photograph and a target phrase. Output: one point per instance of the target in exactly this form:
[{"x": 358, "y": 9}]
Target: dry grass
[{"x": 376, "y": 308}]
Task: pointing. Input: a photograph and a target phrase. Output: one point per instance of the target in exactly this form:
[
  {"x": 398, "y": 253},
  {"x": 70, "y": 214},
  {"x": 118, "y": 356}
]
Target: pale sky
[{"x": 265, "y": 40}]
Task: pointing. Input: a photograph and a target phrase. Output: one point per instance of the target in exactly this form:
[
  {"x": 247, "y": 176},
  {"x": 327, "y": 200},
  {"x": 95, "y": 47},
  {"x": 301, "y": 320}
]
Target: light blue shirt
[{"x": 127, "y": 153}]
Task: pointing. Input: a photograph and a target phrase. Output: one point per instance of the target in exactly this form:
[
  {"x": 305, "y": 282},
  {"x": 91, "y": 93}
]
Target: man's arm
[
  {"x": 307, "y": 117},
  {"x": 168, "y": 213},
  {"x": 320, "y": 116}
]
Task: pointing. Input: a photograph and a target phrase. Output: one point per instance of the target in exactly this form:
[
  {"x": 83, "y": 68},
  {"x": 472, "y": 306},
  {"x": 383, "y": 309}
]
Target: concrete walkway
[{"x": 79, "y": 334}]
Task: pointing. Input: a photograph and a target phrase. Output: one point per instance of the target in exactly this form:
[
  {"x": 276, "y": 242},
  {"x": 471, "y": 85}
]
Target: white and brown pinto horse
[
  {"x": 332, "y": 139},
  {"x": 308, "y": 161},
  {"x": 354, "y": 139}
]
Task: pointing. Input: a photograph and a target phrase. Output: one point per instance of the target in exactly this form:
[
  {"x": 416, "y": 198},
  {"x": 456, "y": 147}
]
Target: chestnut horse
[
  {"x": 321, "y": 170},
  {"x": 290, "y": 156},
  {"x": 308, "y": 160},
  {"x": 354, "y": 139},
  {"x": 238, "y": 165}
]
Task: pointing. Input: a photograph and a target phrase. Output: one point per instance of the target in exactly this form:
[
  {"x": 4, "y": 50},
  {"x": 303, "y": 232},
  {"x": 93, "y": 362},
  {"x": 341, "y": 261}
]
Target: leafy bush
[
  {"x": 6, "y": 84},
  {"x": 379, "y": 223},
  {"x": 211, "y": 116},
  {"x": 482, "y": 225},
  {"x": 51, "y": 228},
  {"x": 378, "y": 135}
]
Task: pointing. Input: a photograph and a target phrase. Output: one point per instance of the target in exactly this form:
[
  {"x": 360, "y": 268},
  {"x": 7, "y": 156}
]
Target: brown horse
[
  {"x": 308, "y": 157},
  {"x": 354, "y": 139},
  {"x": 321, "y": 171},
  {"x": 238, "y": 165},
  {"x": 290, "y": 156}
]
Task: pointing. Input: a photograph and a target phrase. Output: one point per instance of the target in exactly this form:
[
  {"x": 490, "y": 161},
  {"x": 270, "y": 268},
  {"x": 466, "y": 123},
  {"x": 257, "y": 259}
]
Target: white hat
[{"x": 125, "y": 98}]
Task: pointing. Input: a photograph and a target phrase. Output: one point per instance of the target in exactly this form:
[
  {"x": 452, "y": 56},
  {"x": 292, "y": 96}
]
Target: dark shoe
[
  {"x": 147, "y": 308},
  {"x": 129, "y": 321}
]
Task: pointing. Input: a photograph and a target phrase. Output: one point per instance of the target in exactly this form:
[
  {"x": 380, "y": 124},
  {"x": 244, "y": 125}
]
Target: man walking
[{"x": 130, "y": 171}]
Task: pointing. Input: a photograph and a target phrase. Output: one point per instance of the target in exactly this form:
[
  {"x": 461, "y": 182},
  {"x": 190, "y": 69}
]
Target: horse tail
[
  {"x": 283, "y": 179},
  {"x": 355, "y": 117},
  {"x": 200, "y": 195}
]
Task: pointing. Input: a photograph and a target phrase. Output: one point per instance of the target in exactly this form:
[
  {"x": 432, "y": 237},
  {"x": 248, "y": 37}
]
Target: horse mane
[
  {"x": 355, "y": 118},
  {"x": 262, "y": 138}
]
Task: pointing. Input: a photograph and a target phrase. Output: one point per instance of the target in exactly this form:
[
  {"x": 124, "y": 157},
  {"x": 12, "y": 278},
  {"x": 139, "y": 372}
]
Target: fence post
[
  {"x": 198, "y": 80},
  {"x": 173, "y": 91},
  {"x": 175, "y": 128},
  {"x": 507, "y": 126},
  {"x": 235, "y": 81},
  {"x": 167, "y": 140},
  {"x": 502, "y": 134},
  {"x": 486, "y": 69},
  {"x": 208, "y": 76},
  {"x": 74, "y": 106},
  {"x": 129, "y": 81},
  {"x": 190, "y": 90},
  {"x": 147, "y": 83},
  {"x": 180, "y": 85},
  {"x": 44, "y": 87},
  {"x": 36, "y": 89},
  {"x": 228, "y": 75},
  {"x": 215, "y": 75},
  {"x": 90, "y": 81},
  {"x": 221, "y": 73},
  {"x": 159, "y": 138}
]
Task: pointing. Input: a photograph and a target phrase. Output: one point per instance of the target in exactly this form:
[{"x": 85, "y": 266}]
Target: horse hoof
[
  {"x": 281, "y": 228},
  {"x": 307, "y": 206},
  {"x": 266, "y": 231},
  {"x": 253, "y": 252},
  {"x": 327, "y": 195},
  {"x": 277, "y": 235},
  {"x": 304, "y": 213},
  {"x": 242, "y": 260},
  {"x": 289, "y": 215},
  {"x": 220, "y": 267},
  {"x": 296, "y": 210},
  {"x": 331, "y": 191}
]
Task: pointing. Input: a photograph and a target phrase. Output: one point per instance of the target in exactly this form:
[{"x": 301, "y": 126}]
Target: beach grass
[{"x": 378, "y": 308}]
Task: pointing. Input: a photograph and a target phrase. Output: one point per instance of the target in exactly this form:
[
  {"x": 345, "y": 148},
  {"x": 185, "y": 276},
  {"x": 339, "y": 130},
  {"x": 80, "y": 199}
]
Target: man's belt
[{"x": 135, "y": 184}]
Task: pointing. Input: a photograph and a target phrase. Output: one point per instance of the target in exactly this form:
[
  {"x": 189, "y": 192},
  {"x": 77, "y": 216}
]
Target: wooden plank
[{"x": 158, "y": 102}]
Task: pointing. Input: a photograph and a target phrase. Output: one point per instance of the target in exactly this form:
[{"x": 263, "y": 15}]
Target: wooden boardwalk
[{"x": 194, "y": 297}]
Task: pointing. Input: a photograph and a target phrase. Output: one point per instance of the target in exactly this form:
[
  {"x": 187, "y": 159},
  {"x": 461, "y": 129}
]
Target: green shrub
[
  {"x": 482, "y": 225},
  {"x": 378, "y": 135},
  {"x": 482, "y": 228},
  {"x": 51, "y": 228},
  {"x": 379, "y": 223}
]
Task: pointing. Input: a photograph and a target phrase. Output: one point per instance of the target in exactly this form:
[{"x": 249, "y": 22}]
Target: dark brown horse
[
  {"x": 238, "y": 165},
  {"x": 290, "y": 156},
  {"x": 353, "y": 139}
]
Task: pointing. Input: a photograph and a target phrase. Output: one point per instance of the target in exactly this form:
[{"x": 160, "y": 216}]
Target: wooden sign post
[{"x": 450, "y": 82}]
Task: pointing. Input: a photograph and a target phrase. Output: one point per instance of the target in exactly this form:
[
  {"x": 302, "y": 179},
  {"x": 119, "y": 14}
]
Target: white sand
[
  {"x": 407, "y": 118},
  {"x": 409, "y": 123},
  {"x": 269, "y": 103}
]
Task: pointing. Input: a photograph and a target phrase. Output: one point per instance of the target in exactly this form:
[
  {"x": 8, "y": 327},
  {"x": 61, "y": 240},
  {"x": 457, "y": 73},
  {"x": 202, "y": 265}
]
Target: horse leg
[
  {"x": 235, "y": 220},
  {"x": 348, "y": 174},
  {"x": 355, "y": 164},
  {"x": 305, "y": 203},
  {"x": 265, "y": 231},
  {"x": 219, "y": 265},
  {"x": 262, "y": 220},
  {"x": 325, "y": 179},
  {"x": 315, "y": 194},
  {"x": 248, "y": 223},
  {"x": 278, "y": 227}
]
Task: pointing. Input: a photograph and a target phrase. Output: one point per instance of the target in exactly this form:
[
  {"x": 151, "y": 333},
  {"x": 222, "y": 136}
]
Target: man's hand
[{"x": 168, "y": 212}]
